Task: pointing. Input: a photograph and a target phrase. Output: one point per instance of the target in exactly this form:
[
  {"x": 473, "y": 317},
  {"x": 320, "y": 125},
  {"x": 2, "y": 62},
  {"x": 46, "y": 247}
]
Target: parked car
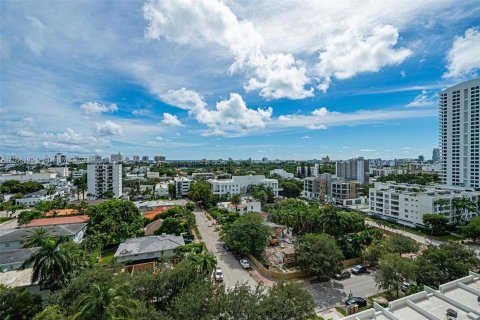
[
  {"x": 360, "y": 302},
  {"x": 245, "y": 264},
  {"x": 405, "y": 286},
  {"x": 226, "y": 247},
  {"x": 218, "y": 275},
  {"x": 359, "y": 269},
  {"x": 345, "y": 274}
]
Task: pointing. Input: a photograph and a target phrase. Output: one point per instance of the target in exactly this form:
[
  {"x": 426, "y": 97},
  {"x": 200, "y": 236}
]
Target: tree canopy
[
  {"x": 248, "y": 234},
  {"x": 435, "y": 222},
  {"x": 472, "y": 229}
]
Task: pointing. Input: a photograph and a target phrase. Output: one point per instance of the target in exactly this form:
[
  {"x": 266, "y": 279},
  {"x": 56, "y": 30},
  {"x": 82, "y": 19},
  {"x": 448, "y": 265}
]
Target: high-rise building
[
  {"x": 421, "y": 158},
  {"x": 136, "y": 158},
  {"x": 159, "y": 159},
  {"x": 60, "y": 159},
  {"x": 103, "y": 178},
  {"x": 459, "y": 134},
  {"x": 436, "y": 154},
  {"x": 354, "y": 169},
  {"x": 116, "y": 157},
  {"x": 145, "y": 159}
]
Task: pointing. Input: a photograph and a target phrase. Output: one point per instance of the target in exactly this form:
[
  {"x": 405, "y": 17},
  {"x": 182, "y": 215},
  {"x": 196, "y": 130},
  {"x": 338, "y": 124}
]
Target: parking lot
[{"x": 333, "y": 292}]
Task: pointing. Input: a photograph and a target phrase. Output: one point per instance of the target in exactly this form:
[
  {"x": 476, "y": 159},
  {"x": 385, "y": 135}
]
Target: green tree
[
  {"x": 201, "y": 191},
  {"x": 290, "y": 189},
  {"x": 248, "y": 234},
  {"x": 464, "y": 207},
  {"x": 197, "y": 299},
  {"x": 115, "y": 220},
  {"x": 392, "y": 271},
  {"x": 37, "y": 238},
  {"x": 435, "y": 222},
  {"x": 205, "y": 263},
  {"x": 319, "y": 255},
  {"x": 444, "y": 263},
  {"x": 25, "y": 217},
  {"x": 104, "y": 303},
  {"x": 52, "y": 312},
  {"x": 171, "y": 225},
  {"x": 288, "y": 301},
  {"x": 18, "y": 304},
  {"x": 374, "y": 252},
  {"x": 52, "y": 267},
  {"x": 400, "y": 244},
  {"x": 172, "y": 191},
  {"x": 472, "y": 229},
  {"x": 236, "y": 200}
]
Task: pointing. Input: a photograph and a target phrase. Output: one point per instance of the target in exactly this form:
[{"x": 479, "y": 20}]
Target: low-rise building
[
  {"x": 343, "y": 190},
  {"x": 406, "y": 204},
  {"x": 60, "y": 171},
  {"x": 31, "y": 199},
  {"x": 247, "y": 204},
  {"x": 458, "y": 299},
  {"x": 318, "y": 187},
  {"x": 239, "y": 184},
  {"x": 149, "y": 248},
  {"x": 11, "y": 239},
  {"x": 282, "y": 173},
  {"x": 13, "y": 259},
  {"x": 152, "y": 175},
  {"x": 386, "y": 171},
  {"x": 203, "y": 175}
]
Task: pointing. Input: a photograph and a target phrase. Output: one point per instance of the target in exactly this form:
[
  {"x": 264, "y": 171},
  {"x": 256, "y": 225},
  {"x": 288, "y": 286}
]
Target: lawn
[
  {"x": 5, "y": 219},
  {"x": 107, "y": 255}
]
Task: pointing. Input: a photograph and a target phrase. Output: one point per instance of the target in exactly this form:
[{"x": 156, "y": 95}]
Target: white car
[
  {"x": 218, "y": 275},
  {"x": 245, "y": 264}
]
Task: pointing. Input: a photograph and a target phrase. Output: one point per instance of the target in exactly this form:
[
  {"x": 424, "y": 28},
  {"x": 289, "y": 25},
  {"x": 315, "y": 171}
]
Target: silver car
[{"x": 245, "y": 264}]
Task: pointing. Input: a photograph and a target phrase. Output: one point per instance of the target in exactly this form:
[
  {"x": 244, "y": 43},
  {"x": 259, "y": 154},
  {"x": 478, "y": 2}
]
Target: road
[
  {"x": 233, "y": 272},
  {"x": 332, "y": 293},
  {"x": 416, "y": 237}
]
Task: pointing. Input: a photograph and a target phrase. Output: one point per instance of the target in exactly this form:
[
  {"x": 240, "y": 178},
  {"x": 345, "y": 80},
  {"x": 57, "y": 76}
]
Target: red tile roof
[{"x": 56, "y": 220}]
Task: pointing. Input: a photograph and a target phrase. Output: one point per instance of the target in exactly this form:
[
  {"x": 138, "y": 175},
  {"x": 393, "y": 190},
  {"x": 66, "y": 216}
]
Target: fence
[{"x": 277, "y": 275}]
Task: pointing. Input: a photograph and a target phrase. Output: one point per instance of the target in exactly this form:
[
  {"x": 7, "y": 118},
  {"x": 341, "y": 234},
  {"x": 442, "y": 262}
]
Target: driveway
[
  {"x": 332, "y": 293},
  {"x": 233, "y": 272}
]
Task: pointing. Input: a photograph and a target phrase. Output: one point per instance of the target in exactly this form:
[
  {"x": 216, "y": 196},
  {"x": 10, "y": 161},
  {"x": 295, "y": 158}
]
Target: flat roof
[
  {"x": 460, "y": 295},
  {"x": 56, "y": 221}
]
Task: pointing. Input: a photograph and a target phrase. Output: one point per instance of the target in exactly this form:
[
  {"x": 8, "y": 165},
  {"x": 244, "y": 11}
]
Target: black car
[
  {"x": 343, "y": 275},
  {"x": 360, "y": 302},
  {"x": 226, "y": 247},
  {"x": 358, "y": 269}
]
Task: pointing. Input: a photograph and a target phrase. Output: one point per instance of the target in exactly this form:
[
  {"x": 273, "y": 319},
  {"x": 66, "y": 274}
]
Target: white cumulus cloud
[
  {"x": 351, "y": 53},
  {"x": 108, "y": 128},
  {"x": 276, "y": 75},
  {"x": 464, "y": 56},
  {"x": 171, "y": 120},
  {"x": 91, "y": 108}
]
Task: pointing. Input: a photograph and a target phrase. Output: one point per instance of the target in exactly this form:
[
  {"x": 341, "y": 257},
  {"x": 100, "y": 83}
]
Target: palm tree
[
  {"x": 51, "y": 190},
  {"x": 105, "y": 303},
  {"x": 236, "y": 201},
  {"x": 205, "y": 263},
  {"x": 52, "y": 267},
  {"x": 464, "y": 207},
  {"x": 37, "y": 238}
]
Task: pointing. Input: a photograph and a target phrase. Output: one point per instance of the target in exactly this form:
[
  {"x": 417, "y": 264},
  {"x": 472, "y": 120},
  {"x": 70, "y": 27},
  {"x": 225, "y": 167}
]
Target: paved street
[
  {"x": 232, "y": 270},
  {"x": 416, "y": 237},
  {"x": 333, "y": 292}
]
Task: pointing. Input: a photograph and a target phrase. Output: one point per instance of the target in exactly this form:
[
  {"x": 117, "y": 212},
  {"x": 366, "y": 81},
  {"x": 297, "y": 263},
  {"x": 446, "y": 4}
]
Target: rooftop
[
  {"x": 150, "y": 214},
  {"x": 61, "y": 212},
  {"x": 13, "y": 235},
  {"x": 158, "y": 243},
  {"x": 461, "y": 295},
  {"x": 16, "y": 278},
  {"x": 16, "y": 256},
  {"x": 56, "y": 221}
]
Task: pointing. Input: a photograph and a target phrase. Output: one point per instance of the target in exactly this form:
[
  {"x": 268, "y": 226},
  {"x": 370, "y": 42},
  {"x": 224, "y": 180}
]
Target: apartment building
[
  {"x": 318, "y": 187},
  {"x": 406, "y": 204},
  {"x": 386, "y": 171},
  {"x": 116, "y": 157},
  {"x": 239, "y": 184},
  {"x": 460, "y": 134},
  {"x": 60, "y": 159},
  {"x": 354, "y": 169},
  {"x": 104, "y": 177},
  {"x": 436, "y": 154},
  {"x": 308, "y": 170},
  {"x": 182, "y": 186},
  {"x": 343, "y": 190}
]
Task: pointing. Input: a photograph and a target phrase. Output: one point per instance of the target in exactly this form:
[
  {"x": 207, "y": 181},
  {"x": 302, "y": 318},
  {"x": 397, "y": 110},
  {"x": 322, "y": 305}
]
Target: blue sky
[{"x": 192, "y": 79}]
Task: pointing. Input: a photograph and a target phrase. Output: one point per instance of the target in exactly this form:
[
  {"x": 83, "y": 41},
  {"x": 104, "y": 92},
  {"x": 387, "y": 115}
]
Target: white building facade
[
  {"x": 459, "y": 134},
  {"x": 406, "y": 204},
  {"x": 354, "y": 169},
  {"x": 239, "y": 184},
  {"x": 182, "y": 186},
  {"x": 104, "y": 177},
  {"x": 282, "y": 173}
]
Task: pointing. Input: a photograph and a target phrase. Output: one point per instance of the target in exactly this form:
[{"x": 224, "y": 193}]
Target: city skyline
[{"x": 236, "y": 80}]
